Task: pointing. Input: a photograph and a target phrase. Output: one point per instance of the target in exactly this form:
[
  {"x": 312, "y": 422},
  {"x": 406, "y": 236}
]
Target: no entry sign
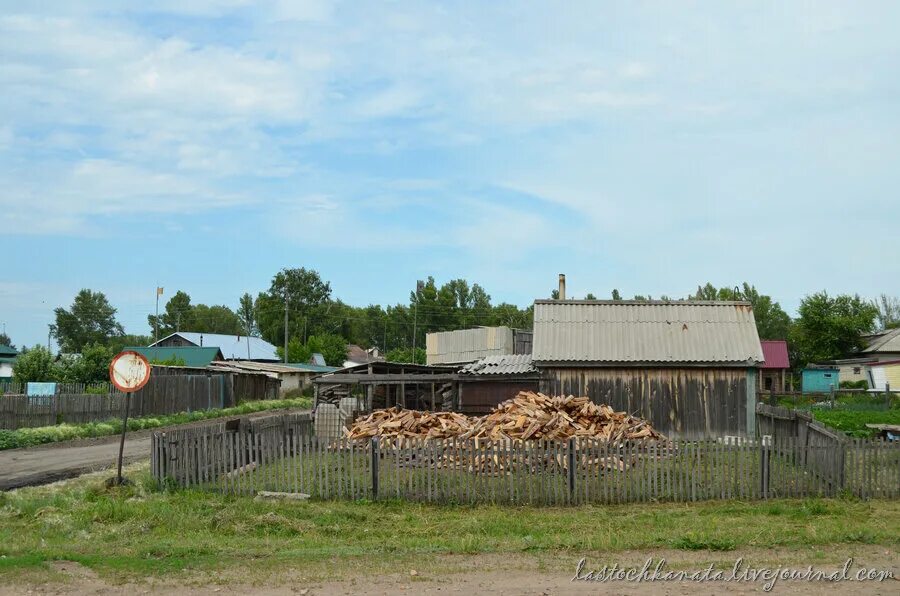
[{"x": 129, "y": 371}]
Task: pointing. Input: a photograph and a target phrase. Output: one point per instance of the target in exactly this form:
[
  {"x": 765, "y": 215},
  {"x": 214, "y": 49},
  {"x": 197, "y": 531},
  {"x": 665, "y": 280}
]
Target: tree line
[{"x": 826, "y": 327}]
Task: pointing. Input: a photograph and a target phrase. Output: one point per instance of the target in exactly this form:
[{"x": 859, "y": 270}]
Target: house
[
  {"x": 820, "y": 378},
  {"x": 852, "y": 370},
  {"x": 293, "y": 377},
  {"x": 486, "y": 383},
  {"x": 7, "y": 358},
  {"x": 884, "y": 373},
  {"x": 689, "y": 367},
  {"x": 882, "y": 346},
  {"x": 357, "y": 355},
  {"x": 233, "y": 347},
  {"x": 774, "y": 371},
  {"x": 468, "y": 345},
  {"x": 186, "y": 356}
]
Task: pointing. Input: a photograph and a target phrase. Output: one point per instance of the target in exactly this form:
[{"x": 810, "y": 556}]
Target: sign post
[{"x": 128, "y": 372}]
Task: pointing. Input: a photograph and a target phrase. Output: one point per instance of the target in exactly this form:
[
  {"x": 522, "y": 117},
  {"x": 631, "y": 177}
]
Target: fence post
[
  {"x": 887, "y": 395},
  {"x": 572, "y": 470},
  {"x": 764, "y": 467},
  {"x": 832, "y": 396},
  {"x": 375, "y": 468}
]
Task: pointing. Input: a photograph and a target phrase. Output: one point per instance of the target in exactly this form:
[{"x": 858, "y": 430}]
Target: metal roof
[
  {"x": 775, "y": 352},
  {"x": 889, "y": 341},
  {"x": 192, "y": 356},
  {"x": 316, "y": 368},
  {"x": 467, "y": 345},
  {"x": 610, "y": 332},
  {"x": 505, "y": 364},
  {"x": 234, "y": 347},
  {"x": 7, "y": 351}
]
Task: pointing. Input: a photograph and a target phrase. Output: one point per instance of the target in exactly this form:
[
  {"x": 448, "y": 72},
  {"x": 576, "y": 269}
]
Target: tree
[
  {"x": 888, "y": 312},
  {"x": 34, "y": 365},
  {"x": 91, "y": 366},
  {"x": 405, "y": 355},
  {"x": 119, "y": 343},
  {"x": 771, "y": 320},
  {"x": 216, "y": 319},
  {"x": 829, "y": 328},
  {"x": 247, "y": 313},
  {"x": 616, "y": 295},
  {"x": 178, "y": 315},
  {"x": 6, "y": 341},
  {"x": 307, "y": 295},
  {"x": 590, "y": 296},
  {"x": 332, "y": 347},
  {"x": 91, "y": 319}
]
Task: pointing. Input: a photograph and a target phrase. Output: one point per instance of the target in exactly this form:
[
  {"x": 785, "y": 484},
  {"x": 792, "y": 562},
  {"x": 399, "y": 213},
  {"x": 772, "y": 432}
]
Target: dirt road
[
  {"x": 510, "y": 574},
  {"x": 56, "y": 461}
]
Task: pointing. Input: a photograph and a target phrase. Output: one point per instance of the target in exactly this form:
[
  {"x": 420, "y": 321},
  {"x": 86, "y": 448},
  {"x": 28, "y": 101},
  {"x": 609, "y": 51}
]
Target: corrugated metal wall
[
  {"x": 467, "y": 345},
  {"x": 690, "y": 402}
]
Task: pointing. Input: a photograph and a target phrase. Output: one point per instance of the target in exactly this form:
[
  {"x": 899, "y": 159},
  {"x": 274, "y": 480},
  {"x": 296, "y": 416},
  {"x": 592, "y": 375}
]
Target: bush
[
  {"x": 861, "y": 384},
  {"x": 853, "y": 422}
]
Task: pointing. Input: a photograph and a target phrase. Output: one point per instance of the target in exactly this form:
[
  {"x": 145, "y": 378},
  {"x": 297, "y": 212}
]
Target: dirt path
[
  {"x": 509, "y": 574},
  {"x": 56, "y": 461}
]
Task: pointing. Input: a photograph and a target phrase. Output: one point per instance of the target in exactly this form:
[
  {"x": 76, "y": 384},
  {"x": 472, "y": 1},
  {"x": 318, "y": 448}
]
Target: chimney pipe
[{"x": 562, "y": 286}]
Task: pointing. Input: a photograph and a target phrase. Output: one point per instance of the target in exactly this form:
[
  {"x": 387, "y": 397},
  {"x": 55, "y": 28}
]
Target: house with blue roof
[{"x": 233, "y": 347}]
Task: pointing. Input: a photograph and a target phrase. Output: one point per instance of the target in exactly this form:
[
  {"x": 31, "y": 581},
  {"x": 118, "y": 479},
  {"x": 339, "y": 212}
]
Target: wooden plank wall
[{"x": 685, "y": 402}]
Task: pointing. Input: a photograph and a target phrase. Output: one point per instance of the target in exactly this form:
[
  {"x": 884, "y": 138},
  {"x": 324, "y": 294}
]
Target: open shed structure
[{"x": 687, "y": 366}]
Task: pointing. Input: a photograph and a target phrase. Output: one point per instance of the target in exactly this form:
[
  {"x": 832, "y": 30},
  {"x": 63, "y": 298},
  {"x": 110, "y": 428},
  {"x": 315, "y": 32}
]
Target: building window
[{"x": 857, "y": 370}]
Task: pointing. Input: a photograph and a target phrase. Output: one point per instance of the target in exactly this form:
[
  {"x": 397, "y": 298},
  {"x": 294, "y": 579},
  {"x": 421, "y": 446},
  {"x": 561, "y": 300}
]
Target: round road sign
[{"x": 129, "y": 371}]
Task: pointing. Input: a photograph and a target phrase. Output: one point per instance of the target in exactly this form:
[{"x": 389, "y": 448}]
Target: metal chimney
[{"x": 562, "y": 286}]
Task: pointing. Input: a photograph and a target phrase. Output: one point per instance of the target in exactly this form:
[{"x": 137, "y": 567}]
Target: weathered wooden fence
[
  {"x": 162, "y": 395},
  {"x": 244, "y": 462},
  {"x": 10, "y": 387}
]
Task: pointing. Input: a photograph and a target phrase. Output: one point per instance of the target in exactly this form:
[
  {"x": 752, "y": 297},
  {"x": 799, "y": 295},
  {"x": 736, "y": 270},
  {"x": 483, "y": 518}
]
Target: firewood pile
[{"x": 527, "y": 417}]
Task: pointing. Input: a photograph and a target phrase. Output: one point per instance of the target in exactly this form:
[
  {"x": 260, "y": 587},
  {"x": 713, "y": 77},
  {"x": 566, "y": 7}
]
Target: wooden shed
[
  {"x": 687, "y": 366},
  {"x": 488, "y": 382}
]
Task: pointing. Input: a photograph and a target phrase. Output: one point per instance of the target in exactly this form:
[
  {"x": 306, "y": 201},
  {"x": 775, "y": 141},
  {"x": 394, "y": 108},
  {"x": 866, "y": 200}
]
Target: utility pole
[
  {"x": 177, "y": 320},
  {"x": 420, "y": 285},
  {"x": 285, "y": 326},
  {"x": 49, "y": 335},
  {"x": 159, "y": 291}
]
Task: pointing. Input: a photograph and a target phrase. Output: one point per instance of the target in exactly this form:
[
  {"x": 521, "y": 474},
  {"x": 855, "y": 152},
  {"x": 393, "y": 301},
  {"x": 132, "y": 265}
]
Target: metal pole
[
  {"x": 887, "y": 395},
  {"x": 156, "y": 320},
  {"x": 415, "y": 324},
  {"x": 127, "y": 398},
  {"x": 832, "y": 396},
  {"x": 285, "y": 326}
]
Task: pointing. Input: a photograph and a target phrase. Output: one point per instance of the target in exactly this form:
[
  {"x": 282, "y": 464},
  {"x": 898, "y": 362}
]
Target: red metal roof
[{"x": 775, "y": 353}]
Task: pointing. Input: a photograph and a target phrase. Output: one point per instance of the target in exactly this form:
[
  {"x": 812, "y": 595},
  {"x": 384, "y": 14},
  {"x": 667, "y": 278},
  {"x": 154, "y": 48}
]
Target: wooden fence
[
  {"x": 9, "y": 387},
  {"x": 162, "y": 395},
  {"x": 577, "y": 471}
]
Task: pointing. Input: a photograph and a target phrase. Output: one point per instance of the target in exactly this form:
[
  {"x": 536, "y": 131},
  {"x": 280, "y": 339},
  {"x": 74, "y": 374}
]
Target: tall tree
[
  {"x": 616, "y": 295},
  {"x": 307, "y": 297},
  {"x": 216, "y": 319},
  {"x": 247, "y": 313},
  {"x": 90, "y": 320},
  {"x": 830, "y": 327},
  {"x": 888, "y": 312},
  {"x": 178, "y": 316},
  {"x": 6, "y": 341}
]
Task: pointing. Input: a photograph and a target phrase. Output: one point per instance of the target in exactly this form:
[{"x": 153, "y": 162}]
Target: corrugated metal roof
[
  {"x": 467, "y": 345},
  {"x": 652, "y": 332},
  {"x": 775, "y": 352},
  {"x": 234, "y": 347},
  {"x": 7, "y": 351},
  {"x": 506, "y": 364},
  {"x": 889, "y": 341}
]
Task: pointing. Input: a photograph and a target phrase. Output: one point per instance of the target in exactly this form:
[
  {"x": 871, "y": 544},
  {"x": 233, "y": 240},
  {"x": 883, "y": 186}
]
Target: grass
[
  {"x": 853, "y": 422},
  {"x": 137, "y": 532},
  {"x": 28, "y": 437}
]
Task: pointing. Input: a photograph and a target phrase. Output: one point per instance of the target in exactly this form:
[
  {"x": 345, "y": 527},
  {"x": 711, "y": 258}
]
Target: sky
[{"x": 646, "y": 146}]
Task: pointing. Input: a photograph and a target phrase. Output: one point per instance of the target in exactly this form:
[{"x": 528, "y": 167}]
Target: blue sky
[{"x": 644, "y": 146}]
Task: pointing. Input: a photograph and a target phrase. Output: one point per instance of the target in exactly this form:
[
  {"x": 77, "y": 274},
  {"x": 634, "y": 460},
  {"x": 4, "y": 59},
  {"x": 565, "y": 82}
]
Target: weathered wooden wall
[
  {"x": 480, "y": 397},
  {"x": 689, "y": 402}
]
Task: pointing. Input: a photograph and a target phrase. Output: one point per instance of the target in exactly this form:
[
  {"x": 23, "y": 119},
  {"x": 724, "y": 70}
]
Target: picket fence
[{"x": 290, "y": 459}]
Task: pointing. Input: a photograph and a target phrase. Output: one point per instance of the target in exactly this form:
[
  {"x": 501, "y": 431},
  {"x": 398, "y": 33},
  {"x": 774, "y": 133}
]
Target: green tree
[
  {"x": 307, "y": 297},
  {"x": 616, "y": 295},
  {"x": 830, "y": 327},
  {"x": 119, "y": 343},
  {"x": 888, "y": 312},
  {"x": 91, "y": 366},
  {"x": 178, "y": 316},
  {"x": 6, "y": 341},
  {"x": 247, "y": 313},
  {"x": 590, "y": 296},
  {"x": 406, "y": 355},
  {"x": 91, "y": 319},
  {"x": 216, "y": 319},
  {"x": 34, "y": 365},
  {"x": 332, "y": 347}
]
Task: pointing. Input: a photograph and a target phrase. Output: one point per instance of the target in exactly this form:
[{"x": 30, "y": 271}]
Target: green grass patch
[
  {"x": 28, "y": 437},
  {"x": 137, "y": 531},
  {"x": 853, "y": 422}
]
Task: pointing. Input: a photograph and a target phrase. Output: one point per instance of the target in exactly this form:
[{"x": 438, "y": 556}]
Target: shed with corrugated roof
[{"x": 690, "y": 367}]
